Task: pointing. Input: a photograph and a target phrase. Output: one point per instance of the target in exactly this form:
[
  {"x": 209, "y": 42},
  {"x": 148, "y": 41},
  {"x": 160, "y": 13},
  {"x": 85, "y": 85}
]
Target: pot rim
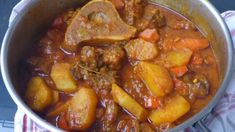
[{"x": 41, "y": 122}]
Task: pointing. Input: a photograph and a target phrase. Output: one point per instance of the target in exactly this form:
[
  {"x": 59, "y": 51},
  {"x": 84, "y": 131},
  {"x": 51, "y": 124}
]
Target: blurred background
[{"x": 7, "y": 106}]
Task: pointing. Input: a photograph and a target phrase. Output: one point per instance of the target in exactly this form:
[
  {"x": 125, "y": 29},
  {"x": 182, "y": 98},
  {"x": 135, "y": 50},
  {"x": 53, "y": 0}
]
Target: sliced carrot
[
  {"x": 192, "y": 44},
  {"x": 179, "y": 71},
  {"x": 62, "y": 123},
  {"x": 150, "y": 35},
  {"x": 119, "y": 4}
]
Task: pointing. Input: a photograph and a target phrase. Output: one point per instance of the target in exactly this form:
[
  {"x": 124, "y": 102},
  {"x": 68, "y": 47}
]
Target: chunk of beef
[
  {"x": 127, "y": 124},
  {"x": 200, "y": 86},
  {"x": 193, "y": 86},
  {"x": 89, "y": 56},
  {"x": 148, "y": 14},
  {"x": 159, "y": 19},
  {"x": 99, "y": 78},
  {"x": 103, "y": 79},
  {"x": 132, "y": 10},
  {"x": 51, "y": 42},
  {"x": 46, "y": 46},
  {"x": 113, "y": 57},
  {"x": 108, "y": 122},
  {"x": 152, "y": 17},
  {"x": 38, "y": 64},
  {"x": 139, "y": 49}
]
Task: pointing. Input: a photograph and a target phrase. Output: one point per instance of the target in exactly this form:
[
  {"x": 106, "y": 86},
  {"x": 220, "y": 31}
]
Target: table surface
[{"x": 7, "y": 106}]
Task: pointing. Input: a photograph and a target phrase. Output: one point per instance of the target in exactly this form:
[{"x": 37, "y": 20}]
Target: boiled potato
[
  {"x": 178, "y": 58},
  {"x": 156, "y": 78},
  {"x": 38, "y": 95},
  {"x": 174, "y": 108},
  {"x": 124, "y": 100},
  {"x": 62, "y": 77},
  {"x": 81, "y": 111}
]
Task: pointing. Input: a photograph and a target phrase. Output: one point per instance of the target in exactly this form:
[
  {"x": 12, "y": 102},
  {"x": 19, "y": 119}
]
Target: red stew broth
[{"x": 49, "y": 51}]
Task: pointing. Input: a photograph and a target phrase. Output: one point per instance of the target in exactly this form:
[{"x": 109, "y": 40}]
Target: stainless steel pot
[{"x": 38, "y": 14}]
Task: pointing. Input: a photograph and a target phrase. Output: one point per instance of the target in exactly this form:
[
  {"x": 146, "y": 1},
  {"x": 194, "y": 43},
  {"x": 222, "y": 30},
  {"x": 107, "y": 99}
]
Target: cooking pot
[{"x": 37, "y": 15}]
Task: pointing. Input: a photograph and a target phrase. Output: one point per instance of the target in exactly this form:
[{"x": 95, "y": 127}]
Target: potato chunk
[
  {"x": 81, "y": 111},
  {"x": 178, "y": 58},
  {"x": 38, "y": 95},
  {"x": 174, "y": 108},
  {"x": 62, "y": 77},
  {"x": 140, "y": 49},
  {"x": 156, "y": 78},
  {"x": 124, "y": 100}
]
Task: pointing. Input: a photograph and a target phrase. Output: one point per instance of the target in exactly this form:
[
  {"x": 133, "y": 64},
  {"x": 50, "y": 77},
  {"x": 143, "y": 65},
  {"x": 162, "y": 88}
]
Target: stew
[{"x": 120, "y": 65}]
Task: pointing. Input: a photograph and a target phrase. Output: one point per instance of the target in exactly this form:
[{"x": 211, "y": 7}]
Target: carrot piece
[
  {"x": 192, "y": 44},
  {"x": 179, "y": 71},
  {"x": 62, "y": 123},
  {"x": 150, "y": 35}
]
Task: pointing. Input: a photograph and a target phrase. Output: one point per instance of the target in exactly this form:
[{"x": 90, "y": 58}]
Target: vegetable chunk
[
  {"x": 155, "y": 77},
  {"x": 179, "y": 71},
  {"x": 62, "y": 77},
  {"x": 81, "y": 111},
  {"x": 176, "y": 107},
  {"x": 140, "y": 49},
  {"x": 38, "y": 95},
  {"x": 124, "y": 100},
  {"x": 192, "y": 44},
  {"x": 178, "y": 58}
]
